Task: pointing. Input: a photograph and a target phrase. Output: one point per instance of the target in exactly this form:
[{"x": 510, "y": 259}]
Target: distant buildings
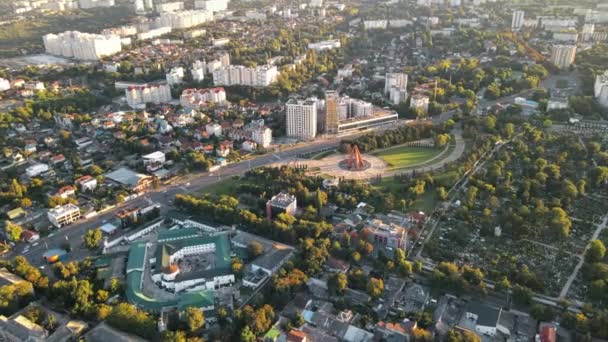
[
  {"x": 302, "y": 119},
  {"x": 563, "y": 55},
  {"x": 261, "y": 136},
  {"x": 600, "y": 89},
  {"x": 325, "y": 45},
  {"x": 517, "y": 21},
  {"x": 331, "y": 112},
  {"x": 184, "y": 19},
  {"x": 197, "y": 98},
  {"x": 82, "y": 46},
  {"x": 260, "y": 76},
  {"x": 211, "y": 5},
  {"x": 154, "y": 33},
  {"x": 63, "y": 215},
  {"x": 281, "y": 203},
  {"x": 169, "y": 6},
  {"x": 138, "y": 94}
]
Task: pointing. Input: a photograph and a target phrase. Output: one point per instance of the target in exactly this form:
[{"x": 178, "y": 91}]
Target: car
[
  {"x": 42, "y": 267},
  {"x": 35, "y": 244},
  {"x": 188, "y": 184},
  {"x": 25, "y": 251}
]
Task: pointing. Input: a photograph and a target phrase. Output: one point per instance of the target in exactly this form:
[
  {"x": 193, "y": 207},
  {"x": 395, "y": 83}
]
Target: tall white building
[
  {"x": 262, "y": 136},
  {"x": 198, "y": 73},
  {"x": 82, "y": 46},
  {"x": 325, "y": 45},
  {"x": 398, "y": 80},
  {"x": 211, "y": 5},
  {"x": 140, "y": 94},
  {"x": 600, "y": 89},
  {"x": 302, "y": 119},
  {"x": 587, "y": 32},
  {"x": 563, "y": 55},
  {"x": 259, "y": 76},
  {"x": 517, "y": 21},
  {"x": 157, "y": 32},
  {"x": 184, "y": 19},
  {"x": 175, "y": 76},
  {"x": 196, "y": 98}
]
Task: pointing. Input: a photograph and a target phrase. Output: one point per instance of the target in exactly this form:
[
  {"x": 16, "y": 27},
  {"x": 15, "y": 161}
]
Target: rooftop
[
  {"x": 125, "y": 176},
  {"x": 137, "y": 254},
  {"x": 282, "y": 200}
]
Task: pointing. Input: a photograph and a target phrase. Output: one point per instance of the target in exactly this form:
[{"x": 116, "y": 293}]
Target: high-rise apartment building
[
  {"x": 301, "y": 119},
  {"x": 398, "y": 80},
  {"x": 211, "y": 5},
  {"x": 563, "y": 55},
  {"x": 260, "y": 76},
  {"x": 184, "y": 19},
  {"x": 82, "y": 46},
  {"x": 331, "y": 112},
  {"x": 140, "y": 94},
  {"x": 517, "y": 22}
]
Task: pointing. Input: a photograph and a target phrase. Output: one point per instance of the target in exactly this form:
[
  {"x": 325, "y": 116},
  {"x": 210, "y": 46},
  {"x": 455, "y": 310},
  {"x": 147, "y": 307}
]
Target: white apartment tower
[
  {"x": 302, "y": 119},
  {"x": 82, "y": 46},
  {"x": 140, "y": 94},
  {"x": 398, "y": 80},
  {"x": 563, "y": 55},
  {"x": 518, "y": 20},
  {"x": 600, "y": 89},
  {"x": 259, "y": 76}
]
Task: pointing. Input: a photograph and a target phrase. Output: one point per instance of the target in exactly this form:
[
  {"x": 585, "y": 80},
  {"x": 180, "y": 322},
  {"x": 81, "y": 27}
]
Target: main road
[{"x": 191, "y": 183}]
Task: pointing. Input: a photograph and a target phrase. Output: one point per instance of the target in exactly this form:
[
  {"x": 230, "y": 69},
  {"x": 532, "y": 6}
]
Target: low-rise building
[
  {"x": 64, "y": 215},
  {"x": 87, "y": 183},
  {"x": 197, "y": 98},
  {"x": 283, "y": 202},
  {"x": 36, "y": 170}
]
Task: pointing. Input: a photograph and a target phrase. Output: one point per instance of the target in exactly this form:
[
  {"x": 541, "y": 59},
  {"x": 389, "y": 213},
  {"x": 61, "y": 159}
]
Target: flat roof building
[
  {"x": 64, "y": 215},
  {"x": 283, "y": 202}
]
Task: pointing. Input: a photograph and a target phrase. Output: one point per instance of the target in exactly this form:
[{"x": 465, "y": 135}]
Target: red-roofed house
[
  {"x": 57, "y": 159},
  {"x": 87, "y": 183},
  {"x": 297, "y": 336},
  {"x": 29, "y": 236},
  {"x": 66, "y": 191}
]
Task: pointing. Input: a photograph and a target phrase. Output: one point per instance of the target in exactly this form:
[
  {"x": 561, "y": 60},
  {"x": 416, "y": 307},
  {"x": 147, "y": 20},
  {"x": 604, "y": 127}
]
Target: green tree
[
  {"x": 247, "y": 335},
  {"x": 92, "y": 238},
  {"x": 195, "y": 319},
  {"x": 375, "y": 287},
  {"x": 442, "y": 194},
  {"x": 560, "y": 222},
  {"x": 522, "y": 295},
  {"x": 13, "y": 231},
  {"x": 595, "y": 252}
]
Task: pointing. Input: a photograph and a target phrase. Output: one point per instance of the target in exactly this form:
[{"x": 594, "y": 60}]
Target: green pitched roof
[
  {"x": 135, "y": 296},
  {"x": 177, "y": 234},
  {"x": 137, "y": 255}
]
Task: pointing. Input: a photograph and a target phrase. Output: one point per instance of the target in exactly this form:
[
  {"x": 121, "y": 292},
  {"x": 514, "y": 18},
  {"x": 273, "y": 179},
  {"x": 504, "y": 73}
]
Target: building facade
[
  {"x": 517, "y": 22},
  {"x": 61, "y": 216},
  {"x": 331, "y": 112},
  {"x": 81, "y": 46},
  {"x": 301, "y": 119},
  {"x": 563, "y": 55}
]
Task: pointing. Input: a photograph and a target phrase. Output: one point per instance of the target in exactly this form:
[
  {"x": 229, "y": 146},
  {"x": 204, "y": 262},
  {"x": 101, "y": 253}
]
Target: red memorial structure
[{"x": 355, "y": 161}]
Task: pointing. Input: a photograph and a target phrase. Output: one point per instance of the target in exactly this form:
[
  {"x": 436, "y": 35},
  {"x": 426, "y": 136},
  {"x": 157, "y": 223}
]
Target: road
[{"x": 192, "y": 183}]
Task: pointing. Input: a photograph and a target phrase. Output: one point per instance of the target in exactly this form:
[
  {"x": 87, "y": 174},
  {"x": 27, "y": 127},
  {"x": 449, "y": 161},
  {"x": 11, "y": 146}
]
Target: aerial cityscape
[{"x": 304, "y": 170}]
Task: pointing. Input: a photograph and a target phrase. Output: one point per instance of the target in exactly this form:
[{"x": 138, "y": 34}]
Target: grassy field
[
  {"x": 405, "y": 156},
  {"x": 27, "y": 34},
  {"x": 225, "y": 186},
  {"x": 426, "y": 202}
]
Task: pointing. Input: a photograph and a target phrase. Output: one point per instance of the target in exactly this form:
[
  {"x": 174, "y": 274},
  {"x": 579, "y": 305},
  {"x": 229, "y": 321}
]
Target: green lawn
[
  {"x": 406, "y": 156},
  {"x": 223, "y": 187}
]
